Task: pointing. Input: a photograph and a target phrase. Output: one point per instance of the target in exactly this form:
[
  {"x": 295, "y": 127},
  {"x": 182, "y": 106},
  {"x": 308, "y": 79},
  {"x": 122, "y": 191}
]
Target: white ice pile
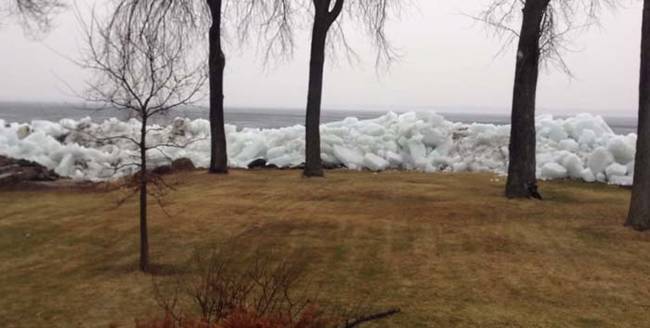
[{"x": 581, "y": 147}]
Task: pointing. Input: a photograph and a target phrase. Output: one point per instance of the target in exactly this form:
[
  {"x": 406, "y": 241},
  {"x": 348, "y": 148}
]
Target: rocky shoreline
[
  {"x": 20, "y": 171},
  {"x": 13, "y": 171}
]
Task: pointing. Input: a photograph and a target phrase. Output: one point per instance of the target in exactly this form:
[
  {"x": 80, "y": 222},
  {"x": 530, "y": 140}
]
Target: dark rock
[
  {"x": 326, "y": 166},
  {"x": 8, "y": 168},
  {"x": 178, "y": 165},
  {"x": 6, "y": 161},
  {"x": 162, "y": 170},
  {"x": 460, "y": 133},
  {"x": 332, "y": 166},
  {"x": 61, "y": 138},
  {"x": 182, "y": 164},
  {"x": 15, "y": 171},
  {"x": 259, "y": 163}
]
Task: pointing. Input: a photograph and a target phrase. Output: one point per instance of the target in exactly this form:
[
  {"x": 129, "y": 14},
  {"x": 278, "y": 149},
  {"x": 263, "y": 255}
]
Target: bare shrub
[{"x": 239, "y": 284}]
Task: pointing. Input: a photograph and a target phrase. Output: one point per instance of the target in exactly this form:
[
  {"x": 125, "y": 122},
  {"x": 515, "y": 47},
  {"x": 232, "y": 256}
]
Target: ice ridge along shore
[{"x": 581, "y": 147}]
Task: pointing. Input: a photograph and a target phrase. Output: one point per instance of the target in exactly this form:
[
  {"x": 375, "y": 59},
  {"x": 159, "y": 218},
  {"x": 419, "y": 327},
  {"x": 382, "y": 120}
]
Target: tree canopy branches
[
  {"x": 145, "y": 56},
  {"x": 560, "y": 20},
  {"x": 274, "y": 24},
  {"x": 34, "y": 15}
]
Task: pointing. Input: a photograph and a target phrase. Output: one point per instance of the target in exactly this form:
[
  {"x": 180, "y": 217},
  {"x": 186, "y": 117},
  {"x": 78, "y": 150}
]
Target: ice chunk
[
  {"x": 599, "y": 160},
  {"x": 418, "y": 152},
  {"x": 49, "y": 128},
  {"x": 616, "y": 170},
  {"x": 630, "y": 168},
  {"x": 621, "y": 180},
  {"x": 394, "y": 159},
  {"x": 352, "y": 159},
  {"x": 459, "y": 167},
  {"x": 251, "y": 149},
  {"x": 288, "y": 160},
  {"x": 374, "y": 162},
  {"x": 587, "y": 138},
  {"x": 581, "y": 123},
  {"x": 569, "y": 145},
  {"x": 557, "y": 134},
  {"x": 574, "y": 165},
  {"x": 622, "y": 151},
  {"x": 66, "y": 167},
  {"x": 551, "y": 129},
  {"x": 433, "y": 137},
  {"x": 553, "y": 171},
  {"x": 372, "y": 129},
  {"x": 587, "y": 175},
  {"x": 276, "y": 152}
]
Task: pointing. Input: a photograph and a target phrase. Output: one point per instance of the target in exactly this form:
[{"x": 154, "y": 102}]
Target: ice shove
[{"x": 581, "y": 147}]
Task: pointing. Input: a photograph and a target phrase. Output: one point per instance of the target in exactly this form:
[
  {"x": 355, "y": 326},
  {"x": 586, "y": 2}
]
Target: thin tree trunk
[
  {"x": 313, "y": 164},
  {"x": 144, "y": 235},
  {"x": 639, "y": 214},
  {"x": 522, "y": 182},
  {"x": 217, "y": 63}
]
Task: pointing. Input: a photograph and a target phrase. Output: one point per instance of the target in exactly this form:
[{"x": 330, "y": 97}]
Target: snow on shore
[{"x": 582, "y": 147}]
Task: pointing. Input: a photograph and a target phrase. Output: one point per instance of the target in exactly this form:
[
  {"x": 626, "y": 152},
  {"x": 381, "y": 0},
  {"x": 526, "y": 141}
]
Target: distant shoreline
[{"x": 242, "y": 117}]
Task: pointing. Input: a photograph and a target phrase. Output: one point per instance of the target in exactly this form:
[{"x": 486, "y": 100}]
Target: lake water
[{"x": 248, "y": 117}]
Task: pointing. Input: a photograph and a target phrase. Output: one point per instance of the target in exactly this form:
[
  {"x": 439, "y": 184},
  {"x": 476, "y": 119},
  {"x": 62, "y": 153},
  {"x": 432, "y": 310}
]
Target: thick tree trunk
[
  {"x": 323, "y": 20},
  {"x": 217, "y": 63},
  {"x": 144, "y": 234},
  {"x": 313, "y": 164},
  {"x": 639, "y": 215},
  {"x": 522, "y": 182}
]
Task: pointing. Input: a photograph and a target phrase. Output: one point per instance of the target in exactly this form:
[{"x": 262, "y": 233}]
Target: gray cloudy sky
[{"x": 448, "y": 63}]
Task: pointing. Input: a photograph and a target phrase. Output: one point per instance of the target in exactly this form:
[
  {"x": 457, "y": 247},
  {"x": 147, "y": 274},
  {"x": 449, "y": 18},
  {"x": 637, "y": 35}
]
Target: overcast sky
[{"x": 448, "y": 63}]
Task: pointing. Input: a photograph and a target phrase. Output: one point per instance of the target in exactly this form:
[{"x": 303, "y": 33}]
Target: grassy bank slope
[{"x": 447, "y": 249}]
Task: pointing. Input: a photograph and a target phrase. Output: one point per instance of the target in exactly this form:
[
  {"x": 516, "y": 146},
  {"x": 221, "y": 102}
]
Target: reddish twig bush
[{"x": 245, "y": 285}]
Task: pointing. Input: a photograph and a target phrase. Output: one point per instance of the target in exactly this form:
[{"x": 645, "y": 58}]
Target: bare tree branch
[
  {"x": 35, "y": 16},
  {"x": 561, "y": 19}
]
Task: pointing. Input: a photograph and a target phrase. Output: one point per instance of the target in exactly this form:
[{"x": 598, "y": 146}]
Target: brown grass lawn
[{"x": 447, "y": 249}]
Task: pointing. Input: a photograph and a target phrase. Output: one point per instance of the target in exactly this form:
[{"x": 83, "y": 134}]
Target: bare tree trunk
[
  {"x": 217, "y": 63},
  {"x": 313, "y": 164},
  {"x": 144, "y": 234},
  {"x": 323, "y": 19},
  {"x": 639, "y": 215},
  {"x": 522, "y": 182}
]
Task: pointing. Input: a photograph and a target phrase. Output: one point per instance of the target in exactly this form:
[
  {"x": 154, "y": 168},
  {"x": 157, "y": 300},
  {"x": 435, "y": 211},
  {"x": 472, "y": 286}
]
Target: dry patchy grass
[{"x": 449, "y": 250}]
